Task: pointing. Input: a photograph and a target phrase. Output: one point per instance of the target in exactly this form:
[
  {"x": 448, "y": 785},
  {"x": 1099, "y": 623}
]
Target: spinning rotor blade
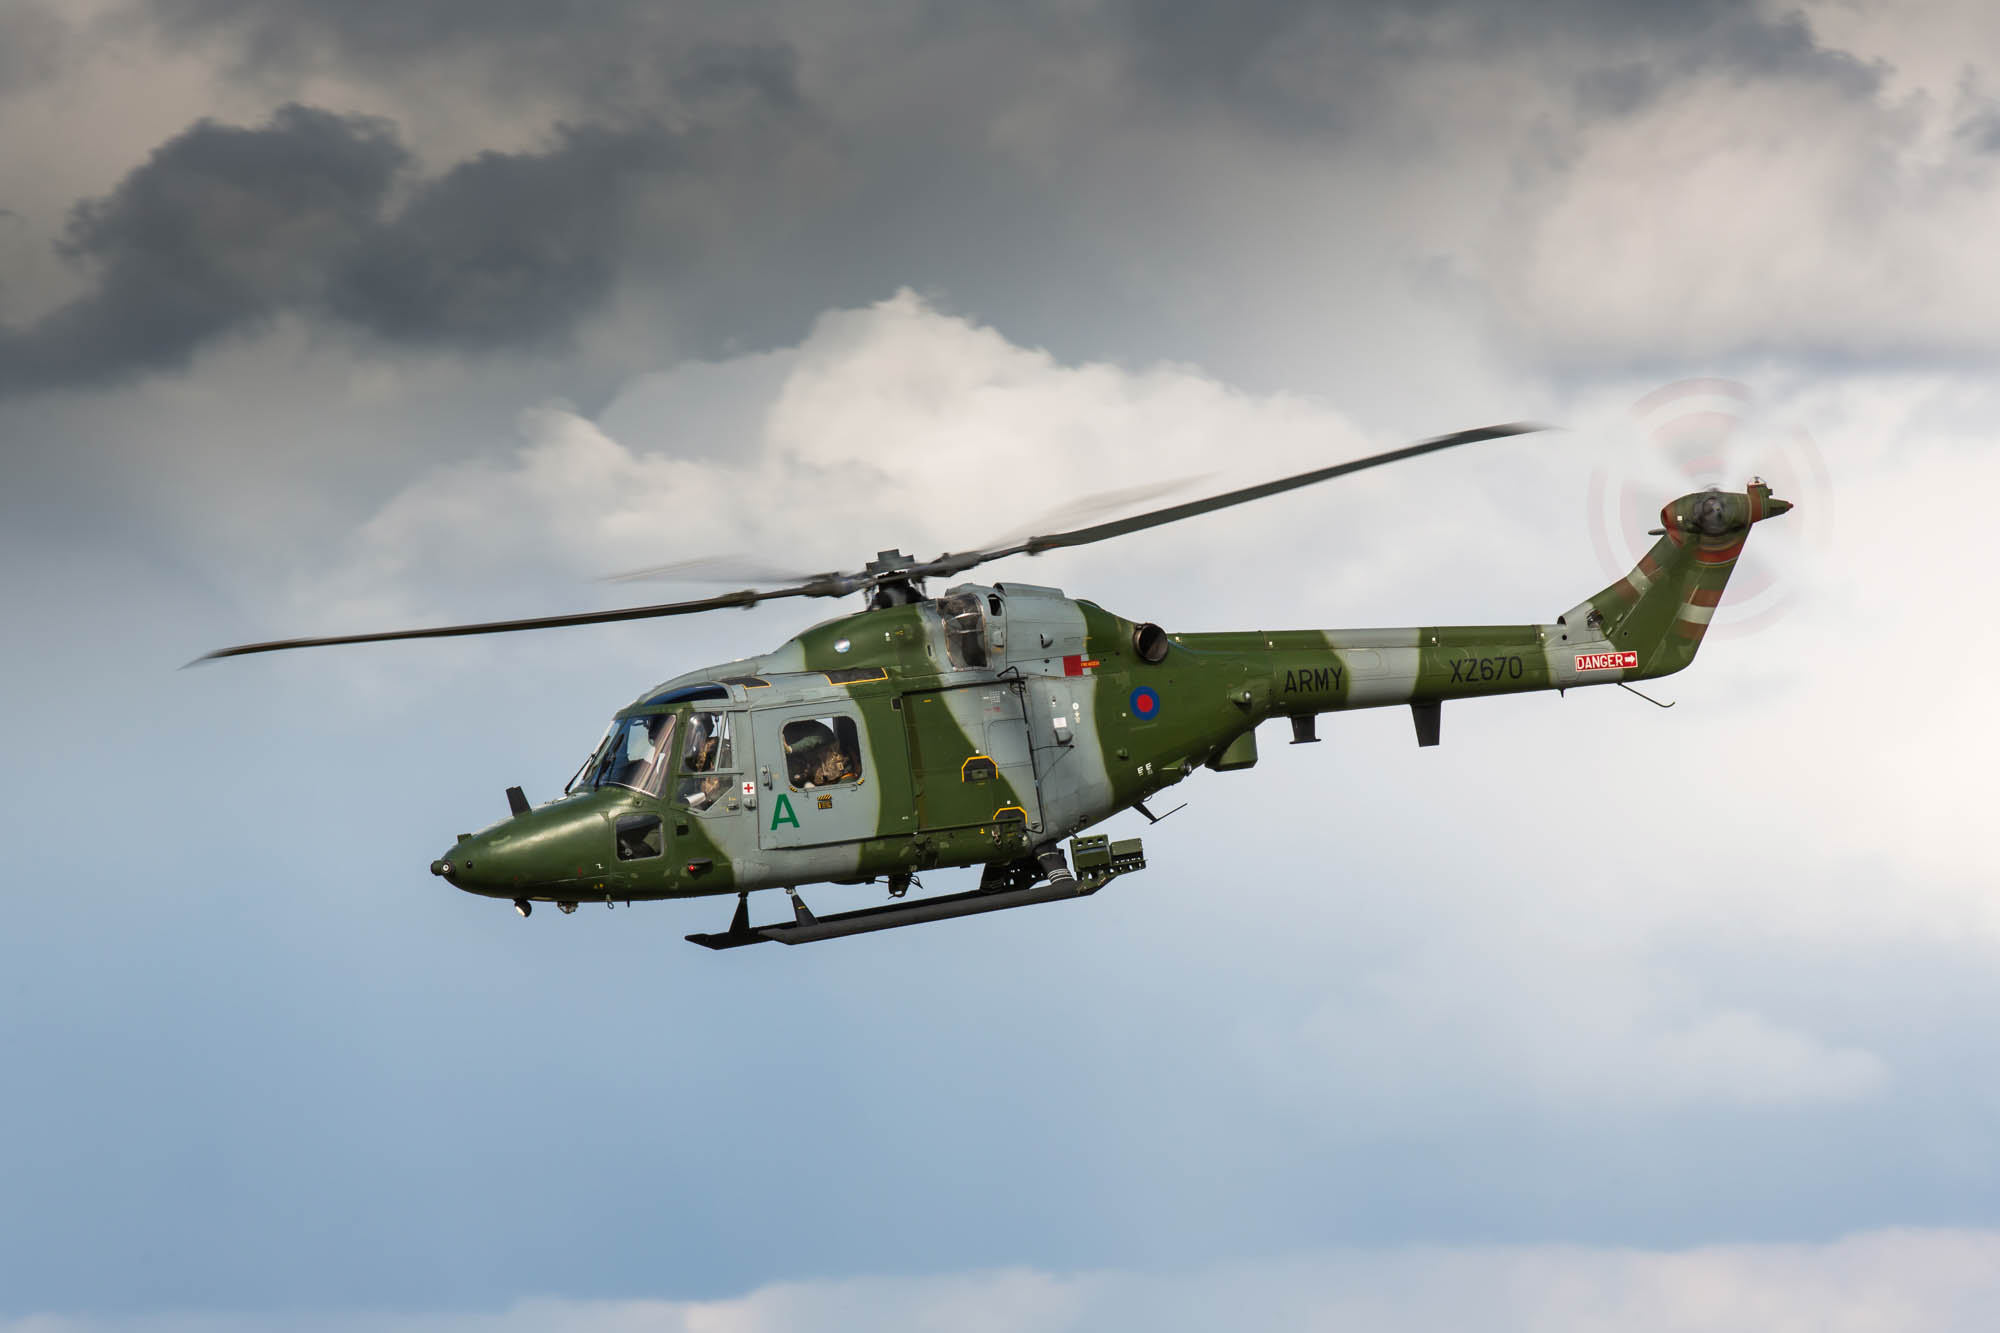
[
  {"x": 835, "y": 586},
  {"x": 712, "y": 569},
  {"x": 892, "y": 567},
  {"x": 946, "y": 565},
  {"x": 1101, "y": 502}
]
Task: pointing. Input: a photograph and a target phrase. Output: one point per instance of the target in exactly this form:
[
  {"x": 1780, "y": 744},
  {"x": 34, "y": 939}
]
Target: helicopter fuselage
[{"x": 972, "y": 730}]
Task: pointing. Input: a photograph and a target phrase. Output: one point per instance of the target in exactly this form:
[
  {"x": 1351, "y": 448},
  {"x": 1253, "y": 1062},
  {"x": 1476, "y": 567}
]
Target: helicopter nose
[
  {"x": 458, "y": 866},
  {"x": 529, "y": 852}
]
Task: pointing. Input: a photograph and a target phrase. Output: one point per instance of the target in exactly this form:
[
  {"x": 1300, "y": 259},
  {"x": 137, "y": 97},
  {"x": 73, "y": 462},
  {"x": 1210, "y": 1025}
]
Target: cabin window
[
  {"x": 708, "y": 761},
  {"x": 822, "y": 752},
  {"x": 964, "y": 629},
  {"x": 639, "y": 837}
]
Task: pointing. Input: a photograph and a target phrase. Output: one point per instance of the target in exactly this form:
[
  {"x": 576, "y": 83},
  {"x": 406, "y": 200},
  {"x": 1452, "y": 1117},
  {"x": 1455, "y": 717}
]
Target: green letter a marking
[{"x": 781, "y": 813}]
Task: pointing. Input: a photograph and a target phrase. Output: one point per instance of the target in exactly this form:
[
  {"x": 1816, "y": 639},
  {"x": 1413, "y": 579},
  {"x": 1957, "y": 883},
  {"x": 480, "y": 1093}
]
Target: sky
[{"x": 347, "y": 315}]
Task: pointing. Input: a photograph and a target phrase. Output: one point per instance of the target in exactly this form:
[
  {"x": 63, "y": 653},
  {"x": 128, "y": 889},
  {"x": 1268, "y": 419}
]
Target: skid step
[{"x": 1098, "y": 862}]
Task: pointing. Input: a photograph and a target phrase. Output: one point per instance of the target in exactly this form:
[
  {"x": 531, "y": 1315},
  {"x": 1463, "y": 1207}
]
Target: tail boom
[{"x": 1649, "y": 623}]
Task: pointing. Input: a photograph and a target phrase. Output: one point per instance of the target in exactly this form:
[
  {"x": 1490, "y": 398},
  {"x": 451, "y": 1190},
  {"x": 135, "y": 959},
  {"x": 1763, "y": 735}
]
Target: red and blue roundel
[{"x": 1145, "y": 703}]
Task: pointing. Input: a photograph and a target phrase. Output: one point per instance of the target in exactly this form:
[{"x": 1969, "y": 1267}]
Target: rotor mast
[{"x": 893, "y": 580}]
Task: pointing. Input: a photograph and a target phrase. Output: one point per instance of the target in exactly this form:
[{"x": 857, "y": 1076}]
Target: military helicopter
[{"x": 985, "y": 726}]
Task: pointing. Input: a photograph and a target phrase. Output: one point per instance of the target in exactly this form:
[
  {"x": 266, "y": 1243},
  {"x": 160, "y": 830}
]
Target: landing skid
[{"x": 1019, "y": 884}]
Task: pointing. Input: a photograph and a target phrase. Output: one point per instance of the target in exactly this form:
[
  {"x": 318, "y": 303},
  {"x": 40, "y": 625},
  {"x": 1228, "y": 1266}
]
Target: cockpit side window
[
  {"x": 822, "y": 752},
  {"x": 964, "y": 629},
  {"x": 709, "y": 746},
  {"x": 708, "y": 761}
]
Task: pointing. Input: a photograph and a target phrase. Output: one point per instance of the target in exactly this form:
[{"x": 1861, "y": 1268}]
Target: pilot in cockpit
[{"x": 699, "y": 757}]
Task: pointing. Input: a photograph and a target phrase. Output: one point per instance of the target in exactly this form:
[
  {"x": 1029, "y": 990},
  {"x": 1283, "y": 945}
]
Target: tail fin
[{"x": 1662, "y": 608}]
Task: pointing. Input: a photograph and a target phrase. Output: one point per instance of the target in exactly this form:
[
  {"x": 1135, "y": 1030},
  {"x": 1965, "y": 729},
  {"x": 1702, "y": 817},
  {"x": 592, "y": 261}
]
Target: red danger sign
[{"x": 1606, "y": 661}]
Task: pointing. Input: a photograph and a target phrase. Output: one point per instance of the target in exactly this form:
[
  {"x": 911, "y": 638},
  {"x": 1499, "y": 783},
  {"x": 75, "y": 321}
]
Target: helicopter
[{"x": 984, "y": 726}]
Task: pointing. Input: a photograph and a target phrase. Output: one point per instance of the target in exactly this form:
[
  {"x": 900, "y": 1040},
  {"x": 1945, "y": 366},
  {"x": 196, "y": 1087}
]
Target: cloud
[
  {"x": 1575, "y": 189},
  {"x": 33, "y": 42},
  {"x": 1523, "y": 1013},
  {"x": 299, "y": 31},
  {"x": 507, "y": 248},
  {"x": 221, "y": 228},
  {"x": 225, "y": 228},
  {"x": 1297, "y": 67},
  {"x": 1285, "y": 63},
  {"x": 897, "y": 424},
  {"x": 1704, "y": 224},
  {"x": 1936, "y": 1281},
  {"x": 617, "y": 59}
]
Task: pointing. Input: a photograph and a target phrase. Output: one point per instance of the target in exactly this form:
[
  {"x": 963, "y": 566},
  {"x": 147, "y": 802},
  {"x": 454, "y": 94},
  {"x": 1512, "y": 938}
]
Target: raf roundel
[{"x": 1145, "y": 703}]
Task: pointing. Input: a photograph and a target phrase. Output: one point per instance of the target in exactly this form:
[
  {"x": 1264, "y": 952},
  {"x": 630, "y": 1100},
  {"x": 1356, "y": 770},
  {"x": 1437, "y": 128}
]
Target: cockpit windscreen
[{"x": 635, "y": 753}]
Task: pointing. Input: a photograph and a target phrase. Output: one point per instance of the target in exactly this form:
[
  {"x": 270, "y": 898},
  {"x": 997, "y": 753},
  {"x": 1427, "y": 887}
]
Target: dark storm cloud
[
  {"x": 1308, "y": 66},
  {"x": 507, "y": 247},
  {"x": 221, "y": 227},
  {"x": 390, "y": 29},
  {"x": 1302, "y": 64},
  {"x": 515, "y": 249},
  {"x": 316, "y": 213},
  {"x": 604, "y": 55}
]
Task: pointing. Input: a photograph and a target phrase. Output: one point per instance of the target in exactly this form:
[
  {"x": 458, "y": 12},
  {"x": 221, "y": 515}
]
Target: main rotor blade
[
  {"x": 747, "y": 597},
  {"x": 948, "y": 564},
  {"x": 711, "y": 569},
  {"x": 840, "y": 585},
  {"x": 1100, "y": 502}
]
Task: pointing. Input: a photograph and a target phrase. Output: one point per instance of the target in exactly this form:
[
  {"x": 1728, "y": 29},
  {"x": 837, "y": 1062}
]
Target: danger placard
[{"x": 1607, "y": 661}]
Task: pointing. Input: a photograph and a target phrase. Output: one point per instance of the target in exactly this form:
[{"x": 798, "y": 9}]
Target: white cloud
[
  {"x": 893, "y": 425},
  {"x": 1732, "y": 216},
  {"x": 1488, "y": 980},
  {"x": 1905, "y": 1281},
  {"x": 1949, "y": 52}
]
